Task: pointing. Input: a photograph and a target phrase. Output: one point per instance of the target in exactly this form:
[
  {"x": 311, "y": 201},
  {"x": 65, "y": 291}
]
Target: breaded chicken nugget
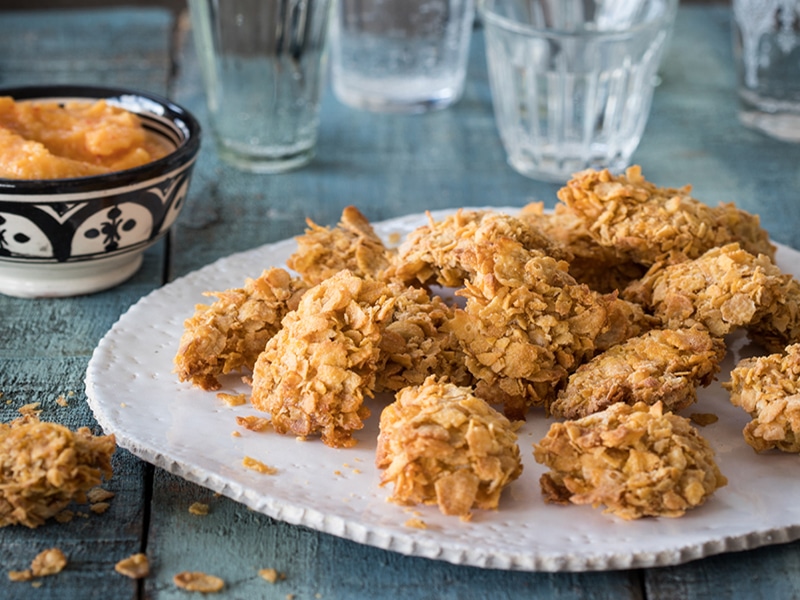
[
  {"x": 45, "y": 466},
  {"x": 439, "y": 444},
  {"x": 601, "y": 268},
  {"x": 352, "y": 245},
  {"x": 637, "y": 460},
  {"x": 314, "y": 373},
  {"x": 664, "y": 366},
  {"x": 650, "y": 224},
  {"x": 722, "y": 290},
  {"x": 768, "y": 388},
  {"x": 417, "y": 342},
  {"x": 229, "y": 334},
  {"x": 527, "y": 324},
  {"x": 446, "y": 251}
]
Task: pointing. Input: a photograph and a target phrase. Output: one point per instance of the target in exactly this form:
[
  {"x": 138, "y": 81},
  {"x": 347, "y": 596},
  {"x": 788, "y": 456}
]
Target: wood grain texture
[{"x": 47, "y": 343}]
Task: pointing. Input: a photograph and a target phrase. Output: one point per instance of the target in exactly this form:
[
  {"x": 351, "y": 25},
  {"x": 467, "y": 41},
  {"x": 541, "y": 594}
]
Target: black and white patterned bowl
[{"x": 66, "y": 237}]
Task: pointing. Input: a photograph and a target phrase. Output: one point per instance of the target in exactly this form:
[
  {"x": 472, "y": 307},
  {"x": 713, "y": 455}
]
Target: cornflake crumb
[
  {"x": 253, "y": 423},
  {"x": 25, "y": 575},
  {"x": 256, "y": 465},
  {"x": 232, "y": 399},
  {"x": 48, "y": 562},
  {"x": 135, "y": 566},
  {"x": 199, "y": 508},
  {"x": 65, "y": 516},
  {"x": 416, "y": 524},
  {"x": 196, "y": 581},
  {"x": 61, "y": 400},
  {"x": 32, "y": 408},
  {"x": 36, "y": 584},
  {"x": 99, "y": 508},
  {"x": 703, "y": 419},
  {"x": 289, "y": 596},
  {"x": 98, "y": 494},
  {"x": 271, "y": 575},
  {"x": 123, "y": 405},
  {"x": 236, "y": 434},
  {"x": 301, "y": 438}
]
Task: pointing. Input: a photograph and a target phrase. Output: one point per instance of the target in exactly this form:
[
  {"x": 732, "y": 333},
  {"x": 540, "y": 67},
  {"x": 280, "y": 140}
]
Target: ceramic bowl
[{"x": 66, "y": 237}]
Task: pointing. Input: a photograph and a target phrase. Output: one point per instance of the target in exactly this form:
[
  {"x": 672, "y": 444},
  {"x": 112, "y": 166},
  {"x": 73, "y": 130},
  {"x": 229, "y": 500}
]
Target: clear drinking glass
[
  {"x": 263, "y": 64},
  {"x": 766, "y": 43},
  {"x": 401, "y": 56},
  {"x": 572, "y": 80}
]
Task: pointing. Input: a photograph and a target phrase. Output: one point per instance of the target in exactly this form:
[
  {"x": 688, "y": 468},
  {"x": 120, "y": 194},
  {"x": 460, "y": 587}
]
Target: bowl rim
[{"x": 176, "y": 114}]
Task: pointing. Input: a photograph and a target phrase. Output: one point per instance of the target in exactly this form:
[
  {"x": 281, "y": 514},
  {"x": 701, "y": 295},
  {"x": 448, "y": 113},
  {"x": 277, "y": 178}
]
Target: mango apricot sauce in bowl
[{"x": 90, "y": 177}]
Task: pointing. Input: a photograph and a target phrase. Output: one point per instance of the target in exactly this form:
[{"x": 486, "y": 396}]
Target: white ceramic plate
[{"x": 134, "y": 394}]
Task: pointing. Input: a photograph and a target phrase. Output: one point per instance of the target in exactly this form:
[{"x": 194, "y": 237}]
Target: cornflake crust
[
  {"x": 197, "y": 581},
  {"x": 228, "y": 335},
  {"x": 136, "y": 566},
  {"x": 445, "y": 251},
  {"x": 664, "y": 366},
  {"x": 650, "y": 224},
  {"x": 45, "y": 466},
  {"x": 313, "y": 375},
  {"x": 440, "y": 444},
  {"x": 528, "y": 324},
  {"x": 768, "y": 388},
  {"x": 601, "y": 268},
  {"x": 638, "y": 461},
  {"x": 418, "y": 342},
  {"x": 352, "y": 245},
  {"x": 724, "y": 289}
]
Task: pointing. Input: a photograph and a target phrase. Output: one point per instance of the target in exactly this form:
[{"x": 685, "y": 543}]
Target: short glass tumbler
[
  {"x": 572, "y": 80},
  {"x": 766, "y": 47},
  {"x": 263, "y": 64},
  {"x": 400, "y": 56}
]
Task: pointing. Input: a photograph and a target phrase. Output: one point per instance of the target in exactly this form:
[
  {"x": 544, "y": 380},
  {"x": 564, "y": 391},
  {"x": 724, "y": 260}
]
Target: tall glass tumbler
[
  {"x": 400, "y": 56},
  {"x": 572, "y": 80},
  {"x": 263, "y": 64}
]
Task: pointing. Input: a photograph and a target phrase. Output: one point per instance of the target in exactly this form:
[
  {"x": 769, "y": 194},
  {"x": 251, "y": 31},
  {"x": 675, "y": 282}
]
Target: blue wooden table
[{"x": 388, "y": 166}]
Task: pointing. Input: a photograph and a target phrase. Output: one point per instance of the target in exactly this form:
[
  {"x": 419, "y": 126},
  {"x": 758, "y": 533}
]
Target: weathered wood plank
[
  {"x": 761, "y": 574},
  {"x": 234, "y": 542},
  {"x": 47, "y": 343}
]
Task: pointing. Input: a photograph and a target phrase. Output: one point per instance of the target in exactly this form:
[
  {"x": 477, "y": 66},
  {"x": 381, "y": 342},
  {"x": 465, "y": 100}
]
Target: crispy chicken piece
[
  {"x": 45, "y": 466},
  {"x": 352, "y": 244},
  {"x": 601, "y": 268},
  {"x": 229, "y": 334},
  {"x": 768, "y": 388},
  {"x": 649, "y": 224},
  {"x": 439, "y": 444},
  {"x": 417, "y": 342},
  {"x": 663, "y": 366},
  {"x": 314, "y": 373},
  {"x": 637, "y": 460},
  {"x": 527, "y": 324},
  {"x": 724, "y": 289},
  {"x": 446, "y": 251}
]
